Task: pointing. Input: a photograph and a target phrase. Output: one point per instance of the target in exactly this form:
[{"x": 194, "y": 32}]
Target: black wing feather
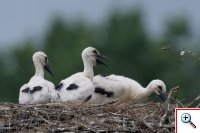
[
  {"x": 105, "y": 74},
  {"x": 88, "y": 98},
  {"x": 26, "y": 90},
  {"x": 103, "y": 92},
  {"x": 58, "y": 87},
  {"x": 72, "y": 87},
  {"x": 36, "y": 88}
]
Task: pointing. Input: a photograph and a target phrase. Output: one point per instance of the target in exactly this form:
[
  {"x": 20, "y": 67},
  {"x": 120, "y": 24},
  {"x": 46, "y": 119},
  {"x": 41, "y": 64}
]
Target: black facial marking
[
  {"x": 72, "y": 87},
  {"x": 37, "y": 88},
  {"x": 58, "y": 87},
  {"x": 103, "y": 92},
  {"x": 26, "y": 90},
  {"x": 46, "y": 59},
  {"x": 104, "y": 74},
  {"x": 160, "y": 87},
  {"x": 88, "y": 98},
  {"x": 95, "y": 51}
]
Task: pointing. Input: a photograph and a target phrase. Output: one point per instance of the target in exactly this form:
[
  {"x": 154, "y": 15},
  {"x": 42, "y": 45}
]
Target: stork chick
[
  {"x": 38, "y": 90},
  {"x": 112, "y": 87},
  {"x": 79, "y": 86}
]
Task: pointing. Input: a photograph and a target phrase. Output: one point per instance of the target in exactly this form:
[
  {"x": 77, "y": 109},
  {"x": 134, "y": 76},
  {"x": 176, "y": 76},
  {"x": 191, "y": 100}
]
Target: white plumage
[
  {"x": 112, "y": 87},
  {"x": 79, "y": 87},
  {"x": 38, "y": 90}
]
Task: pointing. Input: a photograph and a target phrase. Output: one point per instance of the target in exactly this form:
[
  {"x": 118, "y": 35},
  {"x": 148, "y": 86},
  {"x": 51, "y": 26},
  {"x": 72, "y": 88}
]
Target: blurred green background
[{"x": 122, "y": 37}]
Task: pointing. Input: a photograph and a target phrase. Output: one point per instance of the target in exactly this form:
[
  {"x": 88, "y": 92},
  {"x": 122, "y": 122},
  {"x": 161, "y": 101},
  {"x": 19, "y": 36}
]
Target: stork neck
[
  {"x": 144, "y": 93},
  {"x": 88, "y": 69},
  {"x": 147, "y": 91},
  {"x": 39, "y": 69}
]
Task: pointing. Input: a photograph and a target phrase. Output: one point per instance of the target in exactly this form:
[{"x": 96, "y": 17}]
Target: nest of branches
[{"x": 88, "y": 117}]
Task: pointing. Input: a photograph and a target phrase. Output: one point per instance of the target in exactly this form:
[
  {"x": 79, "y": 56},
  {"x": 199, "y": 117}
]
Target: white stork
[
  {"x": 38, "y": 90},
  {"x": 79, "y": 86},
  {"x": 112, "y": 87}
]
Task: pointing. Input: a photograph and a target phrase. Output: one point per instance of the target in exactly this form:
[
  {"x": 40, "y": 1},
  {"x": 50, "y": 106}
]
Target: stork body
[
  {"x": 112, "y": 87},
  {"x": 38, "y": 90},
  {"x": 79, "y": 86}
]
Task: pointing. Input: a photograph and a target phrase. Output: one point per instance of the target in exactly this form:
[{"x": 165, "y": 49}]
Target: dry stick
[
  {"x": 149, "y": 115},
  {"x": 164, "y": 107},
  {"x": 190, "y": 103},
  {"x": 6, "y": 128},
  {"x": 145, "y": 123},
  {"x": 182, "y": 51},
  {"x": 89, "y": 129},
  {"x": 24, "y": 126},
  {"x": 80, "y": 109},
  {"x": 198, "y": 106},
  {"x": 98, "y": 105},
  {"x": 174, "y": 99},
  {"x": 179, "y": 103},
  {"x": 171, "y": 47},
  {"x": 44, "y": 120},
  {"x": 175, "y": 48},
  {"x": 168, "y": 126},
  {"x": 164, "y": 129},
  {"x": 175, "y": 96},
  {"x": 142, "y": 120}
]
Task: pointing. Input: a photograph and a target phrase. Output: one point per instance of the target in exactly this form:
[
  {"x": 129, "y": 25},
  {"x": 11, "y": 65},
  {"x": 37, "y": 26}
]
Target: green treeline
[{"x": 122, "y": 38}]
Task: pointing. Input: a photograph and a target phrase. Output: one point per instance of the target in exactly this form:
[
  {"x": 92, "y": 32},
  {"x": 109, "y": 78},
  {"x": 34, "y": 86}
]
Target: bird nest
[{"x": 89, "y": 117}]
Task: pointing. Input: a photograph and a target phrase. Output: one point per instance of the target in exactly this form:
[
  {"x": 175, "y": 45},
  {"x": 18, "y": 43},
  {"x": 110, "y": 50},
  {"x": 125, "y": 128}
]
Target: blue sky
[{"x": 26, "y": 18}]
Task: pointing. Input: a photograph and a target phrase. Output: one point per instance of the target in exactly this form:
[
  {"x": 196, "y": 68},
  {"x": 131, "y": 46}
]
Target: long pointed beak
[
  {"x": 47, "y": 67},
  {"x": 163, "y": 96},
  {"x": 99, "y": 62},
  {"x": 102, "y": 56}
]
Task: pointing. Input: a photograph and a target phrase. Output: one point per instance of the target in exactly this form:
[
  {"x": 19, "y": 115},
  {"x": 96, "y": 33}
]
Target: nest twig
[
  {"x": 78, "y": 117},
  {"x": 182, "y": 51},
  {"x": 190, "y": 103},
  {"x": 166, "y": 104},
  {"x": 89, "y": 117}
]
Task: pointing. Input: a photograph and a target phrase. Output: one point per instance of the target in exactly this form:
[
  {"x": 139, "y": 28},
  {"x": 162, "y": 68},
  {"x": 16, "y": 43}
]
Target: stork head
[
  {"x": 159, "y": 88},
  {"x": 91, "y": 54},
  {"x": 40, "y": 57}
]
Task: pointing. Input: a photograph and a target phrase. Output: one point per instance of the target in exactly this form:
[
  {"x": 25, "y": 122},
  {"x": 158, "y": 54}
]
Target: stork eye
[
  {"x": 160, "y": 87},
  {"x": 95, "y": 51},
  {"x": 46, "y": 59}
]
